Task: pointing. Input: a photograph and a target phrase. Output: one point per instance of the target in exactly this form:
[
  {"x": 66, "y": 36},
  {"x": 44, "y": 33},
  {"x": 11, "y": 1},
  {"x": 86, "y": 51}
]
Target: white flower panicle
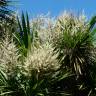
[
  {"x": 41, "y": 59},
  {"x": 8, "y": 56}
]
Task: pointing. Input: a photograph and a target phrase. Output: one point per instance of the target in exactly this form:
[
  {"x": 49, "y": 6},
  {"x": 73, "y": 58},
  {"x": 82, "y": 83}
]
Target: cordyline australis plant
[
  {"x": 44, "y": 65},
  {"x": 73, "y": 40},
  {"x": 9, "y": 60},
  {"x": 72, "y": 37},
  {"x": 13, "y": 81}
]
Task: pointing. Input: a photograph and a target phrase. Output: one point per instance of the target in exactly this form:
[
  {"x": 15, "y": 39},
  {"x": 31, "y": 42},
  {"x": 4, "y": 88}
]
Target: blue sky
[{"x": 55, "y": 7}]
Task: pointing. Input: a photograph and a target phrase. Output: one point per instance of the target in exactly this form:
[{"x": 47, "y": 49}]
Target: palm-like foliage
[
  {"x": 74, "y": 42},
  {"x": 5, "y": 12},
  {"x": 7, "y": 18},
  {"x": 4, "y": 88},
  {"x": 21, "y": 85},
  {"x": 71, "y": 44},
  {"x": 13, "y": 80},
  {"x": 24, "y": 36}
]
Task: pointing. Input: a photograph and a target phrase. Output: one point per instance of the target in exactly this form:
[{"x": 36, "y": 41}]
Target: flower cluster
[
  {"x": 41, "y": 59},
  {"x": 8, "y": 56}
]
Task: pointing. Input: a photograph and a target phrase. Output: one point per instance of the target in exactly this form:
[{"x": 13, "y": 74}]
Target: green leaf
[
  {"x": 92, "y": 23},
  {"x": 25, "y": 31}
]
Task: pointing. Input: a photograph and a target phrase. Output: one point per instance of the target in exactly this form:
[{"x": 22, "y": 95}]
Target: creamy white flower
[
  {"x": 41, "y": 59},
  {"x": 8, "y": 56}
]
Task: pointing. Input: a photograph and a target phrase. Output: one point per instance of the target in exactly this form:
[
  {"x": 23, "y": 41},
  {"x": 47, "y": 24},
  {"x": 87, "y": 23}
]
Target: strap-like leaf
[
  {"x": 25, "y": 31},
  {"x": 92, "y": 22}
]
